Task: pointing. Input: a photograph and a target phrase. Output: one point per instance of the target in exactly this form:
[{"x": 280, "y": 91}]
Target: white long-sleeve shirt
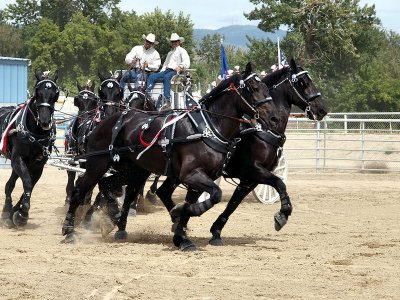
[
  {"x": 177, "y": 57},
  {"x": 151, "y": 56}
]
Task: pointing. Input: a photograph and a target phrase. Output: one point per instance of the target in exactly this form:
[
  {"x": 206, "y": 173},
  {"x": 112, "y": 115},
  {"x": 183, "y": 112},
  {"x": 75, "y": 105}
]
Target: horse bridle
[
  {"x": 107, "y": 102},
  {"x": 293, "y": 79},
  {"x": 49, "y": 83},
  {"x": 131, "y": 97},
  {"x": 88, "y": 95},
  {"x": 250, "y": 89}
]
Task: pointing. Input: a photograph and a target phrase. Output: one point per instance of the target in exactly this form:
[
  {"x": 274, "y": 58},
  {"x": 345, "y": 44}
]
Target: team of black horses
[{"x": 236, "y": 131}]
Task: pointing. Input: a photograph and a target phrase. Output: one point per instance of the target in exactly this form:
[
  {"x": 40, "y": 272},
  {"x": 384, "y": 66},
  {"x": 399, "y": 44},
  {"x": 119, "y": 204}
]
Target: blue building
[
  {"x": 13, "y": 86},
  {"x": 13, "y": 80}
]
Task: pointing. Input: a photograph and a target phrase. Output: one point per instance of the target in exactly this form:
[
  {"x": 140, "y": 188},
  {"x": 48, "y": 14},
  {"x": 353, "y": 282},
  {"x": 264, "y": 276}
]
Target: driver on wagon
[
  {"x": 142, "y": 57},
  {"x": 177, "y": 60}
]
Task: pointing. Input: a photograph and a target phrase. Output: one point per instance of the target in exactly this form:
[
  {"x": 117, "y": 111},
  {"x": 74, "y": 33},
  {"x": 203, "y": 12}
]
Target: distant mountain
[{"x": 235, "y": 35}]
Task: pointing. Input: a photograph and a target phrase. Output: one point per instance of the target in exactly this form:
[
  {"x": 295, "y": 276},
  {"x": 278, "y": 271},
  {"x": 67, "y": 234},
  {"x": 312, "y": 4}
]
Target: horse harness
[
  {"x": 204, "y": 130},
  {"x": 45, "y": 141}
]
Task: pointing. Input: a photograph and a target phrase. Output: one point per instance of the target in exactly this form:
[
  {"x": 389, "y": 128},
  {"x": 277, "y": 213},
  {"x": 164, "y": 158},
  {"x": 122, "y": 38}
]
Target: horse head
[
  {"x": 139, "y": 99},
  {"x": 300, "y": 89},
  {"x": 255, "y": 89},
  {"x": 86, "y": 100},
  {"x": 44, "y": 98},
  {"x": 110, "y": 94}
]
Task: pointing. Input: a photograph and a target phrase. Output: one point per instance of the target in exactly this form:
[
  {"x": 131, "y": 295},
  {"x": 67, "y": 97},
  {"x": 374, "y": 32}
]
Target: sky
[{"x": 214, "y": 14}]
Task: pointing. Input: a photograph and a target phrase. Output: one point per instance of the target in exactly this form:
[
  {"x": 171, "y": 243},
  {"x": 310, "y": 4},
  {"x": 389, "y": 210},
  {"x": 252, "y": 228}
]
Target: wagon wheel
[{"x": 267, "y": 194}]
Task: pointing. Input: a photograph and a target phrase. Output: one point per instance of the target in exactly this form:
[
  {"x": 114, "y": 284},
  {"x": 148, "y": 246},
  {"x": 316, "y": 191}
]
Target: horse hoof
[
  {"x": 280, "y": 220},
  {"x": 67, "y": 229},
  {"x": 187, "y": 246},
  {"x": 177, "y": 210},
  {"x": 216, "y": 241},
  {"x": 20, "y": 220},
  {"x": 70, "y": 238},
  {"x": 151, "y": 197},
  {"x": 106, "y": 226},
  {"x": 121, "y": 235}
]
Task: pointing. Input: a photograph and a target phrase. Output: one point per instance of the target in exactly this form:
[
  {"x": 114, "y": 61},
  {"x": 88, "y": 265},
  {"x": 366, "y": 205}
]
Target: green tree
[
  {"x": 209, "y": 49},
  {"x": 26, "y": 12},
  {"x": 23, "y": 12},
  {"x": 42, "y": 46},
  {"x": 262, "y": 53},
  {"x": 328, "y": 28},
  {"x": 11, "y": 42}
]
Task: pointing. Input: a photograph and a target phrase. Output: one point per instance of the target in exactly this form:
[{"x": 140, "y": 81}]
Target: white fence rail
[{"x": 364, "y": 142}]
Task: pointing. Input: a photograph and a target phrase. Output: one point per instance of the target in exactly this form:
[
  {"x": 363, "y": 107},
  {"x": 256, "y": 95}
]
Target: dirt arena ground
[{"x": 342, "y": 242}]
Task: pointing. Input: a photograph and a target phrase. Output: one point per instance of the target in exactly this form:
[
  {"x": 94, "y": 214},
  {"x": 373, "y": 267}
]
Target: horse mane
[
  {"x": 273, "y": 78},
  {"x": 223, "y": 85}
]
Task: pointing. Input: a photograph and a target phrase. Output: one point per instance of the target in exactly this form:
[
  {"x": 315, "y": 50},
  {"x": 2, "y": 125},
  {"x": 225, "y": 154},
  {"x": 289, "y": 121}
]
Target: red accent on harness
[
  {"x": 4, "y": 150},
  {"x": 232, "y": 87},
  {"x": 5, "y": 134},
  {"x": 143, "y": 142}
]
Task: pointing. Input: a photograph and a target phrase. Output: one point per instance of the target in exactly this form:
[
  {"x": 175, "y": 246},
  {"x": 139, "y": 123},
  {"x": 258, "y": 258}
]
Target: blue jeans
[
  {"x": 131, "y": 74},
  {"x": 166, "y": 77}
]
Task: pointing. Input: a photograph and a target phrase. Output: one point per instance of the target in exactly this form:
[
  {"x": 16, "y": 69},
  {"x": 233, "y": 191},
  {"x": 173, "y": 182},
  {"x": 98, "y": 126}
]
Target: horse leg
[
  {"x": 241, "y": 191},
  {"x": 165, "y": 191},
  {"x": 7, "y": 208},
  {"x": 151, "y": 195},
  {"x": 96, "y": 168},
  {"x": 108, "y": 202},
  {"x": 199, "y": 182},
  {"x": 281, "y": 217},
  {"x": 87, "y": 220},
  {"x": 70, "y": 186},
  {"x": 131, "y": 195},
  {"x": 21, "y": 209},
  {"x": 180, "y": 238}
]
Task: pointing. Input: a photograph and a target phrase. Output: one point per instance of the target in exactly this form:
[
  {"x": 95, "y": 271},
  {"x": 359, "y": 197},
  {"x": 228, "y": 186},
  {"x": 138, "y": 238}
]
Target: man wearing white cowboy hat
[
  {"x": 142, "y": 57},
  {"x": 177, "y": 60}
]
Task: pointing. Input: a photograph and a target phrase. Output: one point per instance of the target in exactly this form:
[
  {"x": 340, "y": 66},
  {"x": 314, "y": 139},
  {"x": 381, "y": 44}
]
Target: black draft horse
[
  {"x": 288, "y": 86},
  {"x": 258, "y": 151},
  {"x": 108, "y": 102},
  {"x": 75, "y": 140},
  {"x": 28, "y": 137},
  {"x": 106, "y": 199},
  {"x": 135, "y": 142}
]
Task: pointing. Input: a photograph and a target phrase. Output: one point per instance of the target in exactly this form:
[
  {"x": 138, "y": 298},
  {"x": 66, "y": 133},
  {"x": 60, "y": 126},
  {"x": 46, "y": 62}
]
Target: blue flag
[{"x": 224, "y": 63}]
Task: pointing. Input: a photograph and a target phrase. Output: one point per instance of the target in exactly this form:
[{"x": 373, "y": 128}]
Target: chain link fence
[{"x": 358, "y": 142}]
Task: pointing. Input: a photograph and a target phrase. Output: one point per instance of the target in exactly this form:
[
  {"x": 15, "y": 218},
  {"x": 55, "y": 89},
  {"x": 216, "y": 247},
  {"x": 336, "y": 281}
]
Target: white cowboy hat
[
  {"x": 176, "y": 37},
  {"x": 151, "y": 38}
]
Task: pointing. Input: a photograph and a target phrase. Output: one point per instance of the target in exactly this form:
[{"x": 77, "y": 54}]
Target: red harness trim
[
  {"x": 143, "y": 142},
  {"x": 5, "y": 134}
]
